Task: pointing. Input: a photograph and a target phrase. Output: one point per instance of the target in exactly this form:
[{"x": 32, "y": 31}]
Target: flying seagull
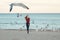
[{"x": 17, "y": 4}]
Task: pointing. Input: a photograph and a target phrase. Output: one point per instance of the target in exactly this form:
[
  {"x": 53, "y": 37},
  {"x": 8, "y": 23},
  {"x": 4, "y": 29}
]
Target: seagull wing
[
  {"x": 11, "y": 7},
  {"x": 23, "y": 5}
]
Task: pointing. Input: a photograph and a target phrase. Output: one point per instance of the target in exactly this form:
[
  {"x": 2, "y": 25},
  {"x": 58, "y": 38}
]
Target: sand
[{"x": 33, "y": 35}]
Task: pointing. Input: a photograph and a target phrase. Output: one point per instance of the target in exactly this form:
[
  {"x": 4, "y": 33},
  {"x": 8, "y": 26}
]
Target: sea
[{"x": 37, "y": 20}]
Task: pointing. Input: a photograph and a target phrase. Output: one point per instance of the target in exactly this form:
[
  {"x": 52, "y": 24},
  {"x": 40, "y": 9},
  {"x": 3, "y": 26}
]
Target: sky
[{"x": 35, "y": 6}]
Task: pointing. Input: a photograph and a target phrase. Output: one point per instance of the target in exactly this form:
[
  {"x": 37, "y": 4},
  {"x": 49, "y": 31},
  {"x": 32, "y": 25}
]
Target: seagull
[{"x": 17, "y": 4}]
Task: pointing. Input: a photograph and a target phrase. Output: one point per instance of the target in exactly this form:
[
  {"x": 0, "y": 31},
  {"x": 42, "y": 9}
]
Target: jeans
[{"x": 27, "y": 25}]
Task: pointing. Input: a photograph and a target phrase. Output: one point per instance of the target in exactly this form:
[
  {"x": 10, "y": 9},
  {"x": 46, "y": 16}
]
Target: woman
[{"x": 27, "y": 23}]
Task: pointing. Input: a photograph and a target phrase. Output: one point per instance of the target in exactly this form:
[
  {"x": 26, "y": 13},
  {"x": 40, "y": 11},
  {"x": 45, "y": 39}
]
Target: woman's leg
[
  {"x": 27, "y": 25},
  {"x": 28, "y": 29}
]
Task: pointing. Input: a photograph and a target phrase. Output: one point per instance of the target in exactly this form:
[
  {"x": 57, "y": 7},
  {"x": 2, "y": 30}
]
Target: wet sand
[{"x": 33, "y": 35}]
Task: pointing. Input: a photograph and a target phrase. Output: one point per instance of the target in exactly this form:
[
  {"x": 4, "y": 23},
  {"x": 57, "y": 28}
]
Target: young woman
[{"x": 27, "y": 23}]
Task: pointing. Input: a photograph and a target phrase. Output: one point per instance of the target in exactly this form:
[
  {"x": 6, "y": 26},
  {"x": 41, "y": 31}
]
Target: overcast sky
[{"x": 36, "y": 6}]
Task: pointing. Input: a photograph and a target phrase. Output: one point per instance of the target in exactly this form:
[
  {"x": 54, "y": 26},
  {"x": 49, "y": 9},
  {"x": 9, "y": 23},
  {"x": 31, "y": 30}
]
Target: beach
[
  {"x": 33, "y": 35},
  {"x": 46, "y": 27}
]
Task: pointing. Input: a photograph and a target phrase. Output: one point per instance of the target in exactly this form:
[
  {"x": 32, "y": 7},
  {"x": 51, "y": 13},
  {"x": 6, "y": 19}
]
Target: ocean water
[{"x": 37, "y": 20}]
